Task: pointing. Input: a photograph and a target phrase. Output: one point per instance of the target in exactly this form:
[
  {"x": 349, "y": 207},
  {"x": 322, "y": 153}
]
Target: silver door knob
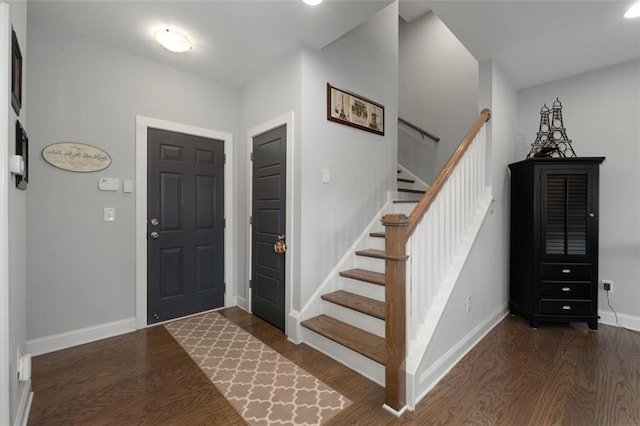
[
  {"x": 592, "y": 214},
  {"x": 154, "y": 235},
  {"x": 154, "y": 221}
]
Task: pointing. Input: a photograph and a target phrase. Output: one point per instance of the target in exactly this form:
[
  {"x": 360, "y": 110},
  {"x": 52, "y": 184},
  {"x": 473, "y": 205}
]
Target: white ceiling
[
  {"x": 540, "y": 41},
  {"x": 532, "y": 41},
  {"x": 234, "y": 40}
]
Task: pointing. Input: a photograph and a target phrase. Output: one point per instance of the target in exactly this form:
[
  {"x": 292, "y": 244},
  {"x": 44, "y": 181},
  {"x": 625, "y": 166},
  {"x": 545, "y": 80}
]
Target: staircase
[
  {"x": 361, "y": 314},
  {"x": 369, "y": 344},
  {"x": 349, "y": 325},
  {"x": 410, "y": 187}
]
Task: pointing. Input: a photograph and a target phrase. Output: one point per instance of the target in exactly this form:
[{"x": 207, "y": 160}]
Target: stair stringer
[
  {"x": 418, "y": 184},
  {"x": 418, "y": 349}
]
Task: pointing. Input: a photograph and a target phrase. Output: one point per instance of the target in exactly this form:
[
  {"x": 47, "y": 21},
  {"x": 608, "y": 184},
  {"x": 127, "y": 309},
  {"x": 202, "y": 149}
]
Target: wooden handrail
[
  {"x": 427, "y": 199},
  {"x": 398, "y": 229}
]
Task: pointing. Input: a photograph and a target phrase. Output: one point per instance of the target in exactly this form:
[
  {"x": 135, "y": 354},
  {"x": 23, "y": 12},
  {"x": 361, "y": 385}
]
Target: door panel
[
  {"x": 268, "y": 211},
  {"x": 185, "y": 258}
]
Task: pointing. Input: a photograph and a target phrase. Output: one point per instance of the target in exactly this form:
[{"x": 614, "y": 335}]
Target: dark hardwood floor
[{"x": 555, "y": 375}]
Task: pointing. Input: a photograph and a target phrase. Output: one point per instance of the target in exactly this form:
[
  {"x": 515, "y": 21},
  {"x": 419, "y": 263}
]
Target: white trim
[
  {"x": 627, "y": 321},
  {"x": 24, "y": 406},
  {"x": 436, "y": 372},
  {"x": 287, "y": 120},
  {"x": 242, "y": 302},
  {"x": 394, "y": 412},
  {"x": 5, "y": 54},
  {"x": 142, "y": 124},
  {"x": 80, "y": 336}
]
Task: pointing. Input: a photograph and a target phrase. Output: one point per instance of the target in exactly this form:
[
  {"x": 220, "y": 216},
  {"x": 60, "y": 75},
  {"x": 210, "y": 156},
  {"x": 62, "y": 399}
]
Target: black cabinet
[{"x": 554, "y": 239}]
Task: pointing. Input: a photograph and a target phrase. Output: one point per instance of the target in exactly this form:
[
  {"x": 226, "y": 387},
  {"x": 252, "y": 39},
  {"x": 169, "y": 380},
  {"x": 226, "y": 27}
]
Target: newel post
[{"x": 395, "y": 310}]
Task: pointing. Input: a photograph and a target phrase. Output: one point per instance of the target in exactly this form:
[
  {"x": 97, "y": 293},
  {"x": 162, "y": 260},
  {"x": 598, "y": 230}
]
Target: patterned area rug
[{"x": 264, "y": 387}]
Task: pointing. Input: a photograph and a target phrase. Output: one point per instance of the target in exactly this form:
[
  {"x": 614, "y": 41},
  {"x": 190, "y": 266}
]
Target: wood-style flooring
[{"x": 555, "y": 375}]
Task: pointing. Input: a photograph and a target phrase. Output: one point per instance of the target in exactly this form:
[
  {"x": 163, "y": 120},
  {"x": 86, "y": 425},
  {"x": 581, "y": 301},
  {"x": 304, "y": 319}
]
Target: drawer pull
[
  {"x": 566, "y": 307},
  {"x": 566, "y": 289},
  {"x": 566, "y": 271}
]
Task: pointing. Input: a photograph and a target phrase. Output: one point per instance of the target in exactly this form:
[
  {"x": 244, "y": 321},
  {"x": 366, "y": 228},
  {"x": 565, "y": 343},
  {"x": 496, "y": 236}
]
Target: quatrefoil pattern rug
[{"x": 263, "y": 386}]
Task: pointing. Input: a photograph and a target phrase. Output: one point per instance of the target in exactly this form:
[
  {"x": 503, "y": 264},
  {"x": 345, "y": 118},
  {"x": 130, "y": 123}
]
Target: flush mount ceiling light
[
  {"x": 312, "y": 2},
  {"x": 633, "y": 12},
  {"x": 173, "y": 40}
]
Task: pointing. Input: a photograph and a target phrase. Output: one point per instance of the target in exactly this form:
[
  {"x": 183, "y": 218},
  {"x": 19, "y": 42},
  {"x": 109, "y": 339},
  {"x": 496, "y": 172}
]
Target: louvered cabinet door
[{"x": 568, "y": 216}]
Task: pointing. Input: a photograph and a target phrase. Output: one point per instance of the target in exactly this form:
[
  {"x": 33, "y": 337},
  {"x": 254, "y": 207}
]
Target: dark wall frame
[
  {"x": 16, "y": 73},
  {"x": 361, "y": 113}
]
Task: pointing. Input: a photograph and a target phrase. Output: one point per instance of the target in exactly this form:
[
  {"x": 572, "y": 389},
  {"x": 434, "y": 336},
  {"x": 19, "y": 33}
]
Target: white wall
[
  {"x": 485, "y": 276},
  {"x": 361, "y": 164},
  {"x": 82, "y": 269},
  {"x": 438, "y": 88},
  {"x": 600, "y": 111},
  {"x": 276, "y": 93}
]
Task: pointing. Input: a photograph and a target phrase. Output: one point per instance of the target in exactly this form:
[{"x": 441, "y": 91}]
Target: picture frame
[
  {"x": 16, "y": 73},
  {"x": 22, "y": 148},
  {"x": 353, "y": 110}
]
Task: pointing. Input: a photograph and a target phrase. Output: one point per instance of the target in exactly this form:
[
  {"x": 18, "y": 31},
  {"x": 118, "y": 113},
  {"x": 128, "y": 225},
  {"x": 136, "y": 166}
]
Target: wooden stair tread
[
  {"x": 358, "y": 340},
  {"x": 376, "y": 234},
  {"x": 406, "y": 180},
  {"x": 412, "y": 191},
  {"x": 364, "y": 275},
  {"x": 379, "y": 254},
  {"x": 365, "y": 305}
]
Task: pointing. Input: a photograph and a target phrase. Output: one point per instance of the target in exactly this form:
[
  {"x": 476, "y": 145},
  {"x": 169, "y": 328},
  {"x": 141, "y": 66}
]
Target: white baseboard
[
  {"x": 24, "y": 406},
  {"x": 80, "y": 336},
  {"x": 626, "y": 320},
  {"x": 436, "y": 372},
  {"x": 242, "y": 303}
]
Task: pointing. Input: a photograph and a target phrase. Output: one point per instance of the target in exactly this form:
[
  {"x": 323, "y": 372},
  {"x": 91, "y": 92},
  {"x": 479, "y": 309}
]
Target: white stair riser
[
  {"x": 362, "y": 288},
  {"x": 357, "y": 319},
  {"x": 405, "y": 208},
  {"x": 370, "y": 263},
  {"x": 376, "y": 243},
  {"x": 359, "y": 363}
]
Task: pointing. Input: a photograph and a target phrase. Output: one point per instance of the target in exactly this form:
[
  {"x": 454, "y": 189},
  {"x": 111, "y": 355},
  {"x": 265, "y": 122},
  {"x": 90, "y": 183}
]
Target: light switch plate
[
  {"x": 326, "y": 175},
  {"x": 127, "y": 186}
]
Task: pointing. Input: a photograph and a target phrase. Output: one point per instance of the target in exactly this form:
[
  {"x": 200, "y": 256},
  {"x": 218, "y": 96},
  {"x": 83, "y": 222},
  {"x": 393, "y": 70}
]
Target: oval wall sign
[{"x": 76, "y": 157}]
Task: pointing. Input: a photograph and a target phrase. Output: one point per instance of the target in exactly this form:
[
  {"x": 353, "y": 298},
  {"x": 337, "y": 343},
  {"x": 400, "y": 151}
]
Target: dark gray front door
[
  {"x": 268, "y": 211},
  {"x": 185, "y": 224}
]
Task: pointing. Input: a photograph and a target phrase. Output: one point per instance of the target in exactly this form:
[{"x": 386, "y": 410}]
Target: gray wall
[
  {"x": 600, "y": 111},
  {"x": 362, "y": 164},
  {"x": 17, "y": 231},
  {"x": 438, "y": 89},
  {"x": 82, "y": 269}
]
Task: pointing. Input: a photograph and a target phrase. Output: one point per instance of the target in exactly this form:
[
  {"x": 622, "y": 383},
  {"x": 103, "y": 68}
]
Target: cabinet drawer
[
  {"x": 559, "y": 289},
  {"x": 565, "y": 307},
  {"x": 569, "y": 271}
]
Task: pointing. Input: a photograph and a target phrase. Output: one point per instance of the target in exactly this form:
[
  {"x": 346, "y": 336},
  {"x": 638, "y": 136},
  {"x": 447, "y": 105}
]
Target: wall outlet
[
  {"x": 469, "y": 303},
  {"x": 607, "y": 285}
]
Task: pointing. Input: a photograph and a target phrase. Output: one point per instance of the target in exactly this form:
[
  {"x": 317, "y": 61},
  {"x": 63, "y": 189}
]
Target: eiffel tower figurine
[
  {"x": 543, "y": 145},
  {"x": 552, "y": 140}
]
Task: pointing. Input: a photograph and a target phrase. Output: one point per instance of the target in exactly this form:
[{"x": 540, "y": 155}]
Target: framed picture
[
  {"x": 354, "y": 110},
  {"x": 16, "y": 73},
  {"x": 22, "y": 148}
]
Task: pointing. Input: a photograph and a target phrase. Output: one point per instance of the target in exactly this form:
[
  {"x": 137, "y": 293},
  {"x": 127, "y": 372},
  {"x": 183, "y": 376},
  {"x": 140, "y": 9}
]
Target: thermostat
[{"x": 109, "y": 184}]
